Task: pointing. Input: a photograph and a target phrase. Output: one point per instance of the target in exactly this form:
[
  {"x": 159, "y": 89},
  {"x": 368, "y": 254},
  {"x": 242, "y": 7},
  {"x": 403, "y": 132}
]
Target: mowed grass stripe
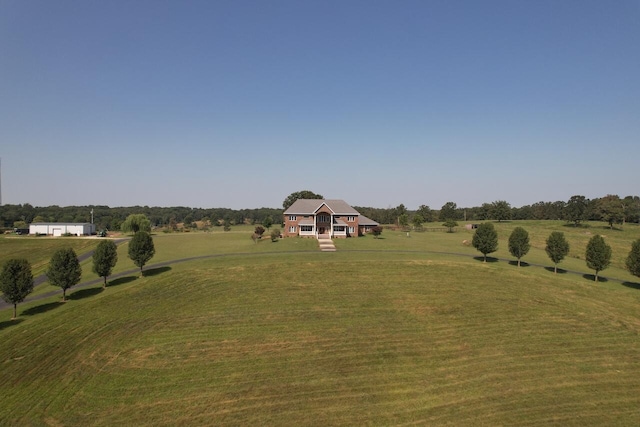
[{"x": 388, "y": 341}]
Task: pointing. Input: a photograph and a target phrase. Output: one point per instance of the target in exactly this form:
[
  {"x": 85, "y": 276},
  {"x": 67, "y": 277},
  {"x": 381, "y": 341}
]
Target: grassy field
[{"x": 389, "y": 331}]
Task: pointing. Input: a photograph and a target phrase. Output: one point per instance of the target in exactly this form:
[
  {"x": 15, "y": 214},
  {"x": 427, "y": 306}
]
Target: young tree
[
  {"x": 403, "y": 221},
  {"x": 275, "y": 235},
  {"x": 519, "y": 243},
  {"x": 633, "y": 260},
  {"x": 105, "y": 258},
  {"x": 135, "y": 223},
  {"x": 259, "y": 230},
  {"x": 141, "y": 249},
  {"x": 376, "y": 231},
  {"x": 64, "y": 270},
  {"x": 450, "y": 223},
  {"x": 16, "y": 282},
  {"x": 267, "y": 222},
  {"x": 485, "y": 239},
  {"x": 557, "y": 248},
  {"x": 598, "y": 254},
  {"x": 417, "y": 221}
]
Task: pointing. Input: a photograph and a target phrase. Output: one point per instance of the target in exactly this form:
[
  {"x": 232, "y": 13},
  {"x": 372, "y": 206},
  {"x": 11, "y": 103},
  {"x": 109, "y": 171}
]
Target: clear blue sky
[{"x": 238, "y": 104}]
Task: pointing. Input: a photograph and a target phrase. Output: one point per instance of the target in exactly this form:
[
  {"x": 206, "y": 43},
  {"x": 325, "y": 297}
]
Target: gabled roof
[
  {"x": 363, "y": 220},
  {"x": 312, "y": 206}
]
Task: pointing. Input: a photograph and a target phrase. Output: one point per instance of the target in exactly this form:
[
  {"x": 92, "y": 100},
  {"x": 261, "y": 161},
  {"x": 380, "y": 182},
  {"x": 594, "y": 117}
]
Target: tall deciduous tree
[
  {"x": 598, "y": 254},
  {"x": 135, "y": 223},
  {"x": 631, "y": 208},
  {"x": 105, "y": 258},
  {"x": 501, "y": 210},
  {"x": 633, "y": 260},
  {"x": 576, "y": 209},
  {"x": 485, "y": 239},
  {"x": 519, "y": 243},
  {"x": 16, "y": 282},
  {"x": 141, "y": 249},
  {"x": 425, "y": 212},
  {"x": 611, "y": 209},
  {"x": 557, "y": 248},
  {"x": 304, "y": 194},
  {"x": 64, "y": 270},
  {"x": 448, "y": 211}
]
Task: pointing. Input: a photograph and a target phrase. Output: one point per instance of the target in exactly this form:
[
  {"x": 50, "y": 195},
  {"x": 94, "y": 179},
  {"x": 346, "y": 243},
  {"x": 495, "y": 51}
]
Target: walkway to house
[{"x": 325, "y": 242}]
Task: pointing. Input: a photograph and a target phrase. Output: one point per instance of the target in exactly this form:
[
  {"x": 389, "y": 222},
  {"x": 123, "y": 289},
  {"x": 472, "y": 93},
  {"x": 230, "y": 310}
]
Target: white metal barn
[{"x": 57, "y": 229}]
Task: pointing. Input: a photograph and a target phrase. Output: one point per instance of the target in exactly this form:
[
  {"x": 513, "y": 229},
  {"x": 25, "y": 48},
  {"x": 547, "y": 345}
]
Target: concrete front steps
[{"x": 326, "y": 244}]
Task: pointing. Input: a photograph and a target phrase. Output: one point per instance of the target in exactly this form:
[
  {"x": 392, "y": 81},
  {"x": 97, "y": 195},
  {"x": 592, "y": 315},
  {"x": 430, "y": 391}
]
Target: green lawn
[
  {"x": 38, "y": 250},
  {"x": 382, "y": 332}
]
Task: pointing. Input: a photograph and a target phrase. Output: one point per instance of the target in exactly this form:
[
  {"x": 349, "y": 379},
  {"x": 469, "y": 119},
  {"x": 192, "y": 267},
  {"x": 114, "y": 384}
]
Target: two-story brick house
[{"x": 314, "y": 217}]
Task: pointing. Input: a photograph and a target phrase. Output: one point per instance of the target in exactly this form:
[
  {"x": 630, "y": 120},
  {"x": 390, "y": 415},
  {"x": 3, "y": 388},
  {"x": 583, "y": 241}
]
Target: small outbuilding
[{"x": 57, "y": 229}]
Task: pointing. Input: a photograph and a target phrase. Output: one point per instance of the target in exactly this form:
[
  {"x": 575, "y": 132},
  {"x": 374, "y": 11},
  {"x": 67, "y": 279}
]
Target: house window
[
  {"x": 351, "y": 218},
  {"x": 324, "y": 218},
  {"x": 352, "y": 230},
  {"x": 292, "y": 218},
  {"x": 306, "y": 228},
  {"x": 339, "y": 228},
  {"x": 292, "y": 229}
]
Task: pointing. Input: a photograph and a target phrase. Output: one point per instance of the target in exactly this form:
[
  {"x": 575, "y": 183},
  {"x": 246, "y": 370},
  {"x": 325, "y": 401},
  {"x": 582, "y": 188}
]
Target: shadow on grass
[
  {"x": 121, "y": 281},
  {"x": 489, "y": 259},
  {"x": 9, "y": 323},
  {"x": 522, "y": 264},
  {"x": 42, "y": 308},
  {"x": 84, "y": 293},
  {"x": 155, "y": 271},
  {"x": 631, "y": 285},
  {"x": 592, "y": 277},
  {"x": 572, "y": 225},
  {"x": 560, "y": 271}
]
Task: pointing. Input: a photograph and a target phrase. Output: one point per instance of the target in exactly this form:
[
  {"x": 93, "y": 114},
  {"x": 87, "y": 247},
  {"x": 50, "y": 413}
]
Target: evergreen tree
[
  {"x": 141, "y": 249},
  {"x": 16, "y": 282},
  {"x": 557, "y": 248},
  {"x": 519, "y": 243},
  {"x": 64, "y": 270},
  {"x": 105, "y": 258},
  {"x": 485, "y": 239},
  {"x": 598, "y": 254}
]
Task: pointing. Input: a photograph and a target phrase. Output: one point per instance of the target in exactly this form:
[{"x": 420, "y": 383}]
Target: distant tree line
[
  {"x": 109, "y": 218},
  {"x": 610, "y": 208}
]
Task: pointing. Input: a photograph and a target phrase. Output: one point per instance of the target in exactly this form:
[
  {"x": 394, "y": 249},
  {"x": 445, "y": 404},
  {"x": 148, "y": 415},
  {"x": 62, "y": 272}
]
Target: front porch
[{"x": 312, "y": 228}]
